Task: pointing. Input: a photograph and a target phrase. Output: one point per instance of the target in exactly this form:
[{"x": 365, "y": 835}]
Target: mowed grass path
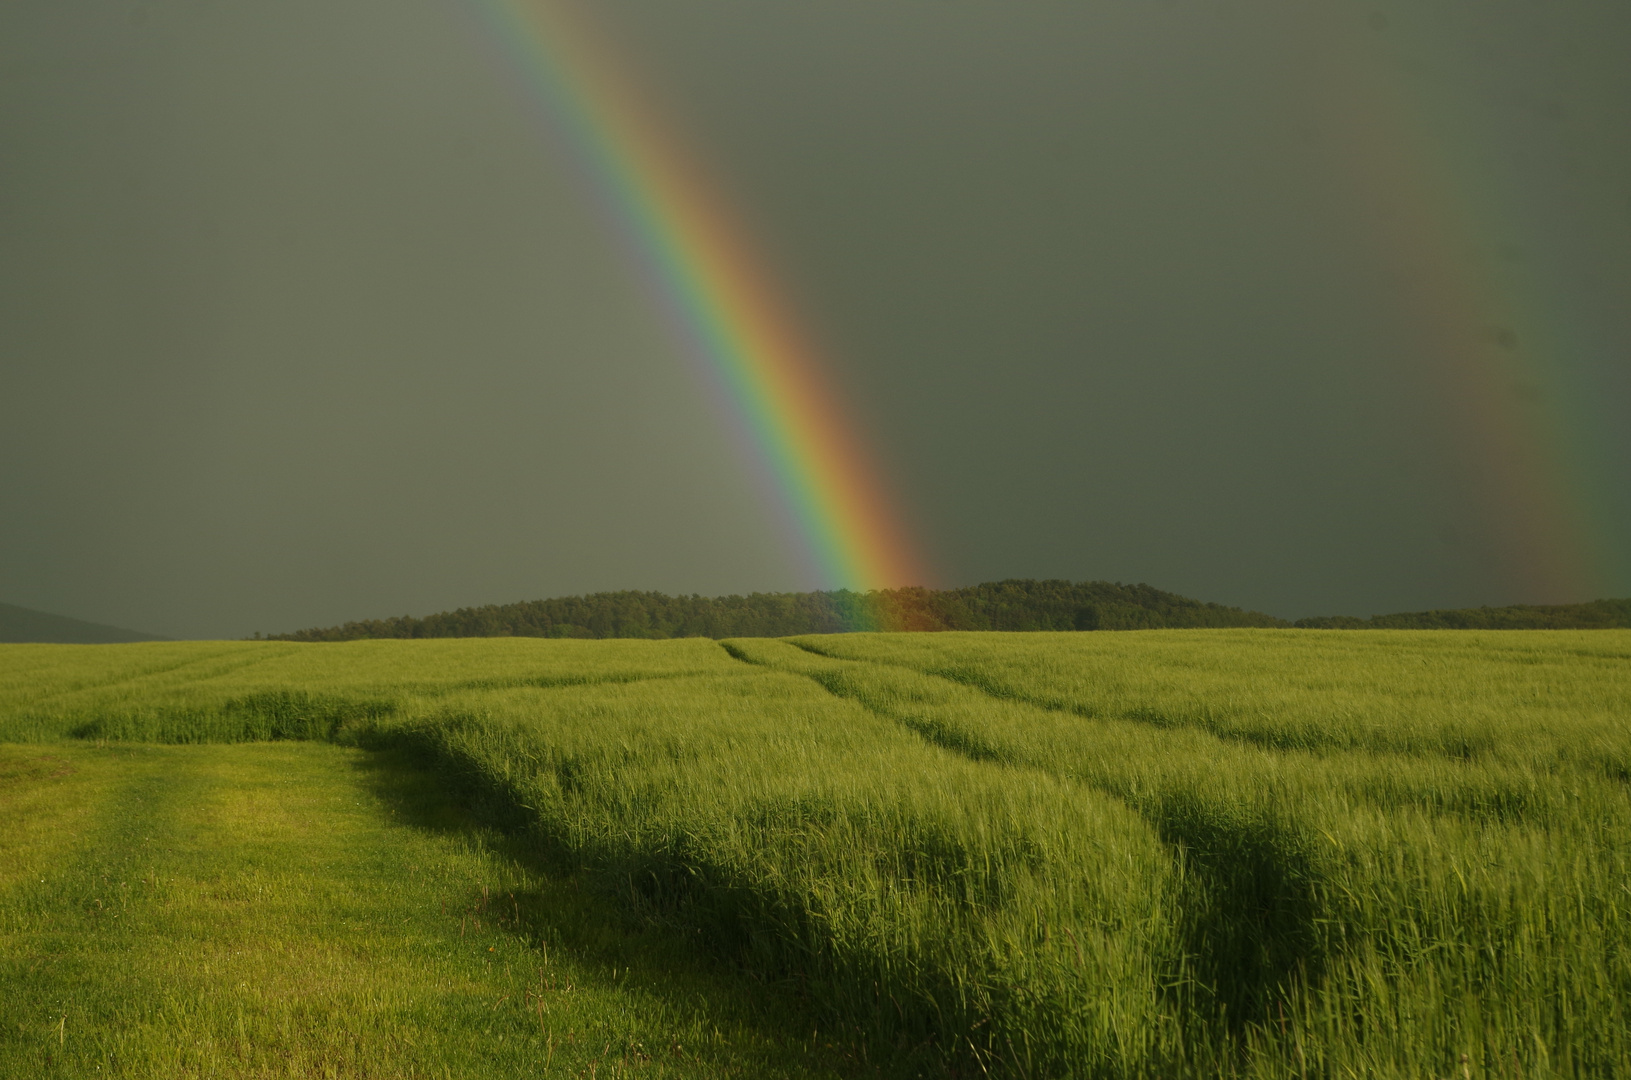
[{"x": 307, "y": 910}]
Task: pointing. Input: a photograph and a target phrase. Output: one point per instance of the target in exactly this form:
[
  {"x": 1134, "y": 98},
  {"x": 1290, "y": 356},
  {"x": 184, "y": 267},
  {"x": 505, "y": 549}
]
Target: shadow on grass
[
  {"x": 1249, "y": 921},
  {"x": 565, "y": 914}
]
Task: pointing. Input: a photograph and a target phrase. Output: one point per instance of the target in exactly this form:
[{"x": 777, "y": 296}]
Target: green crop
[{"x": 1253, "y": 853}]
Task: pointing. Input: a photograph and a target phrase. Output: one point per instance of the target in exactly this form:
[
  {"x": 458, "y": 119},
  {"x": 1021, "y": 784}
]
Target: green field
[{"x": 1254, "y": 853}]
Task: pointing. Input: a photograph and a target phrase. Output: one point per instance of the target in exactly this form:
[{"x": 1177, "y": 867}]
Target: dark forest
[{"x": 1014, "y": 605}]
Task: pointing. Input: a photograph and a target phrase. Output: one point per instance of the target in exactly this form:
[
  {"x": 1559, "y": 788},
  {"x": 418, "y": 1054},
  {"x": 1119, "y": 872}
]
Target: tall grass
[
  {"x": 1356, "y": 909},
  {"x": 233, "y": 691},
  {"x": 1533, "y": 697},
  {"x": 952, "y": 911},
  {"x": 1243, "y": 853}
]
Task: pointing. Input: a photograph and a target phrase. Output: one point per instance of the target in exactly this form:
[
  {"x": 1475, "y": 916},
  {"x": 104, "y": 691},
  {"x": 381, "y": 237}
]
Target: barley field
[{"x": 1156, "y": 854}]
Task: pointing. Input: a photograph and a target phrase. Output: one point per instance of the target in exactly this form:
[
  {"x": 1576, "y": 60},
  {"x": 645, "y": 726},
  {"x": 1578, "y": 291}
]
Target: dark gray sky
[{"x": 306, "y": 316}]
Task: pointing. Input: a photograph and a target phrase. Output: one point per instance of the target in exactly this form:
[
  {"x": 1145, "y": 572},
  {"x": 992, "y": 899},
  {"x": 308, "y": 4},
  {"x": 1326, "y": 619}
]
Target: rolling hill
[
  {"x": 1003, "y": 605},
  {"x": 21, "y": 625},
  {"x": 1012, "y": 605}
]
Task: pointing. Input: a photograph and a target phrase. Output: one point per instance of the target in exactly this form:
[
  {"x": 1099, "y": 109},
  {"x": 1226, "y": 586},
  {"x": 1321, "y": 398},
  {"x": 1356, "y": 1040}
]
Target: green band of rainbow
[{"x": 705, "y": 273}]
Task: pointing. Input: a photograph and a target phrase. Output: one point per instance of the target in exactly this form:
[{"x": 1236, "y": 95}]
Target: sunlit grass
[
  {"x": 305, "y": 910},
  {"x": 1517, "y": 694},
  {"x": 1153, "y": 854}
]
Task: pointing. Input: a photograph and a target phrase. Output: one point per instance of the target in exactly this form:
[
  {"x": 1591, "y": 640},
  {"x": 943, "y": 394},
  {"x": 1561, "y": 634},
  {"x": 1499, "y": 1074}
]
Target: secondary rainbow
[
  {"x": 1499, "y": 361},
  {"x": 700, "y": 265}
]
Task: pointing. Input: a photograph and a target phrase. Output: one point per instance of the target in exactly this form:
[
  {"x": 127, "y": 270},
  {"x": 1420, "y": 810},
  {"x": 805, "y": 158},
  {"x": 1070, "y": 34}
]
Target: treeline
[
  {"x": 1596, "y": 615},
  {"x": 1002, "y": 605}
]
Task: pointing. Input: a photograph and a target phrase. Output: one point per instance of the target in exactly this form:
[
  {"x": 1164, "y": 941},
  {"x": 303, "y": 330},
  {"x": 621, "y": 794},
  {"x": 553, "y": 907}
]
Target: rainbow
[
  {"x": 703, "y": 271},
  {"x": 1499, "y": 369}
]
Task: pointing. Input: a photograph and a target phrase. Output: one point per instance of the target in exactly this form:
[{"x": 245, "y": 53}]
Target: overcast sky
[{"x": 306, "y": 316}]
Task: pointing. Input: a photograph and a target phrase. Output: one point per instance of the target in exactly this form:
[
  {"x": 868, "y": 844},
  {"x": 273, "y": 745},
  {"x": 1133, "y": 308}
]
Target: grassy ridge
[{"x": 1254, "y": 853}]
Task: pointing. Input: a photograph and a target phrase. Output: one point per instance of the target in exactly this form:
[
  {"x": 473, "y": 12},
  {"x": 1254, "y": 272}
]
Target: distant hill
[
  {"x": 1596, "y": 615},
  {"x": 1002, "y": 605},
  {"x": 20, "y": 624}
]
